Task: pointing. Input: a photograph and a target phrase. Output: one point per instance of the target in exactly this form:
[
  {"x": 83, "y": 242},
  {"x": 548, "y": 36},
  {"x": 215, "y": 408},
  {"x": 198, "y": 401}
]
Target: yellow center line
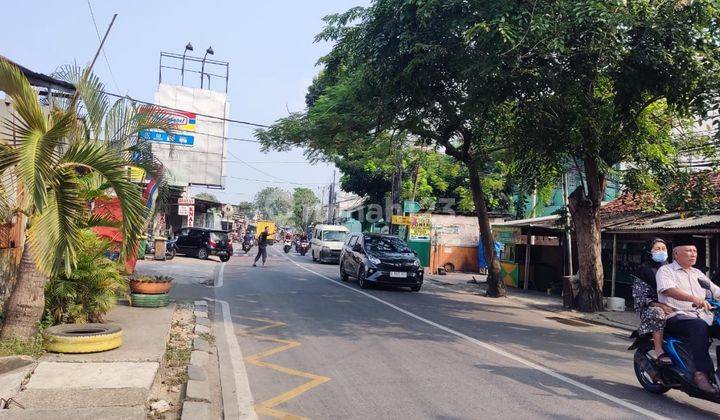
[{"x": 268, "y": 406}]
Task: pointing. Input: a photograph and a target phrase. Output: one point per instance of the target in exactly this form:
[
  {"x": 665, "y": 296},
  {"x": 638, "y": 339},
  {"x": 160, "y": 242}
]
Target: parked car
[
  {"x": 327, "y": 242},
  {"x": 374, "y": 258},
  {"x": 202, "y": 243}
]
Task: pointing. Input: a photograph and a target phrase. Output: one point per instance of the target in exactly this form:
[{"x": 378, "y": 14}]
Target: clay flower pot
[{"x": 157, "y": 287}]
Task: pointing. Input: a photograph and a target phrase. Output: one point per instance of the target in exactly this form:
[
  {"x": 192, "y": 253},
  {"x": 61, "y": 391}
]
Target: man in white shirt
[{"x": 679, "y": 286}]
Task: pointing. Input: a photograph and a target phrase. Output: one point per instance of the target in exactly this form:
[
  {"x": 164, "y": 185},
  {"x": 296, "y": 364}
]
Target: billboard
[{"x": 194, "y": 154}]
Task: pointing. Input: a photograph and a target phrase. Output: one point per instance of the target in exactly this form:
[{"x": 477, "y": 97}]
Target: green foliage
[
  {"x": 273, "y": 203},
  {"x": 305, "y": 207},
  {"x": 87, "y": 293}
]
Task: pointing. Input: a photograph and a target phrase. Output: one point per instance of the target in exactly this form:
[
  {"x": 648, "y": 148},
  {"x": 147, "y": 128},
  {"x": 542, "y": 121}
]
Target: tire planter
[
  {"x": 82, "y": 338},
  {"x": 148, "y": 301},
  {"x": 150, "y": 288}
]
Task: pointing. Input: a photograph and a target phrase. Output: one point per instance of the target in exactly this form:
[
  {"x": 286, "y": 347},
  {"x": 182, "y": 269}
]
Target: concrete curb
[{"x": 197, "y": 393}]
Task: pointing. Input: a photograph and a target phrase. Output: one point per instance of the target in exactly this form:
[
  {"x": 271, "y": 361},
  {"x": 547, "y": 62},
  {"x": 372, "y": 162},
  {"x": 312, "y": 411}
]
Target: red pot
[{"x": 150, "y": 288}]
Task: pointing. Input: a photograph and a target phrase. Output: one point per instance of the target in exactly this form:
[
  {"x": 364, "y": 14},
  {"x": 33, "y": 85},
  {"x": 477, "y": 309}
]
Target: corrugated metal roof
[
  {"x": 545, "y": 221},
  {"x": 668, "y": 222}
]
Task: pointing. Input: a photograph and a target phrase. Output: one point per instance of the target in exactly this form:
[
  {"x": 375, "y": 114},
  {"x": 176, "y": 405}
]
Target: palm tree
[{"x": 48, "y": 163}]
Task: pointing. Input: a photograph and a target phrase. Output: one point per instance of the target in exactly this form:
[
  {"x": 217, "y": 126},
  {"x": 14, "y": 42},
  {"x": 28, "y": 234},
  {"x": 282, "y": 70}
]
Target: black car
[
  {"x": 380, "y": 259},
  {"x": 202, "y": 243}
]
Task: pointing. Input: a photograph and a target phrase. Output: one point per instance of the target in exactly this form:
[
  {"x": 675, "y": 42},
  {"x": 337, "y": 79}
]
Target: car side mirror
[
  {"x": 357, "y": 248},
  {"x": 414, "y": 252}
]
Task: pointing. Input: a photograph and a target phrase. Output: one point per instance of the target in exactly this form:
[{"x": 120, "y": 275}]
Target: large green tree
[
  {"x": 305, "y": 207},
  {"x": 273, "y": 203},
  {"x": 603, "y": 83},
  {"x": 53, "y": 152},
  {"x": 403, "y": 66}
]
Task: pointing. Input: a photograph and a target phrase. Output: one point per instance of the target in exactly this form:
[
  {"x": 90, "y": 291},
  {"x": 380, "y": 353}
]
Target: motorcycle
[
  {"x": 246, "y": 246},
  {"x": 659, "y": 379},
  {"x": 304, "y": 247},
  {"x": 170, "y": 248},
  {"x": 287, "y": 246}
]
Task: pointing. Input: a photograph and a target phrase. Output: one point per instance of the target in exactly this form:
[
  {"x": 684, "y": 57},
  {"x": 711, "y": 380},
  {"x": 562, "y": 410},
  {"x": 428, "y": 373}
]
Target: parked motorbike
[
  {"x": 287, "y": 246},
  {"x": 170, "y": 248},
  {"x": 659, "y": 379},
  {"x": 304, "y": 247}
]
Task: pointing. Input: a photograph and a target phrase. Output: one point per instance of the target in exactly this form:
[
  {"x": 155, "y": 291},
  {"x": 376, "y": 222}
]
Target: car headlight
[
  {"x": 416, "y": 263},
  {"x": 374, "y": 260}
]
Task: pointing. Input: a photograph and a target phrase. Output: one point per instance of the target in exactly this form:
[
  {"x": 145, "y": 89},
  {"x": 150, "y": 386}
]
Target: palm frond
[
  {"x": 16, "y": 86},
  {"x": 97, "y": 157},
  {"x": 100, "y": 221},
  {"x": 55, "y": 228},
  {"x": 91, "y": 92}
]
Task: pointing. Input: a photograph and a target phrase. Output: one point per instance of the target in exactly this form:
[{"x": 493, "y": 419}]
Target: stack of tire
[{"x": 150, "y": 292}]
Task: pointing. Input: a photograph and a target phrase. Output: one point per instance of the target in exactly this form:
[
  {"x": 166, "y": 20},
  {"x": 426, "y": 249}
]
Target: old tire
[
  {"x": 148, "y": 301},
  {"x": 82, "y": 338},
  {"x": 150, "y": 288}
]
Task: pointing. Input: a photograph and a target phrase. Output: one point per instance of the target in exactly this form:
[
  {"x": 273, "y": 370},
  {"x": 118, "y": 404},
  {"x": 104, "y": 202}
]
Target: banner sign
[
  {"x": 181, "y": 120},
  {"x": 174, "y": 138},
  {"x": 421, "y": 226},
  {"x": 184, "y": 201},
  {"x": 401, "y": 220},
  {"x": 506, "y": 235},
  {"x": 183, "y": 210}
]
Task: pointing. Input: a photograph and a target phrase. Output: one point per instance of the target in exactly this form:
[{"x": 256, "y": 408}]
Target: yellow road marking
[{"x": 268, "y": 406}]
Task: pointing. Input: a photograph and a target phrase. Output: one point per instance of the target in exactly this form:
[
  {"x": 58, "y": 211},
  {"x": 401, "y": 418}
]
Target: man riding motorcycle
[{"x": 683, "y": 288}]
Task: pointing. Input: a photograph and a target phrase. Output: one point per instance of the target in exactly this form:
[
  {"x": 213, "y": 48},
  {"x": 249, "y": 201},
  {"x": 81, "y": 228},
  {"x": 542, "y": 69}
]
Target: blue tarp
[{"x": 481, "y": 253}]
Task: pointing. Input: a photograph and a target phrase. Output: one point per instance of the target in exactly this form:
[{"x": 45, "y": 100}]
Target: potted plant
[{"x": 151, "y": 285}]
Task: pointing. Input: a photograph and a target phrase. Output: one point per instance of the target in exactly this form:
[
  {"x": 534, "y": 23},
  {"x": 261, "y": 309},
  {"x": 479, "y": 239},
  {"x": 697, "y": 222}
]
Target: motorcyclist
[
  {"x": 248, "y": 238},
  {"x": 682, "y": 287}
]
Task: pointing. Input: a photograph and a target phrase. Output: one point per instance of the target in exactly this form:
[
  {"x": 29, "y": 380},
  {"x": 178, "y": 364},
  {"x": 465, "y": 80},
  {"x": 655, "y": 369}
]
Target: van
[{"x": 327, "y": 242}]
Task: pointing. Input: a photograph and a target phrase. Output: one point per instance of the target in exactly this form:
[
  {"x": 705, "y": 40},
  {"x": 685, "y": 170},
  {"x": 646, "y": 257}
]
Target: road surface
[{"x": 319, "y": 348}]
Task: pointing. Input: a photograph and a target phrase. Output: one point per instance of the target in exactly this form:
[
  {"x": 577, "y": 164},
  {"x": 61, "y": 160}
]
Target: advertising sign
[
  {"x": 202, "y": 131},
  {"x": 185, "y": 201},
  {"x": 174, "y": 138},
  {"x": 183, "y": 210},
  {"x": 421, "y": 226},
  {"x": 506, "y": 235},
  {"x": 401, "y": 220},
  {"x": 190, "y": 216}
]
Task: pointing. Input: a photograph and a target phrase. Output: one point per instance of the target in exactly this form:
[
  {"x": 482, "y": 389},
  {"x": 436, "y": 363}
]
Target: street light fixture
[
  {"x": 188, "y": 47},
  {"x": 202, "y": 69}
]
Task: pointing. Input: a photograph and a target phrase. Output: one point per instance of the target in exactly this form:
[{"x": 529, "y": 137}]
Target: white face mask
[{"x": 659, "y": 256}]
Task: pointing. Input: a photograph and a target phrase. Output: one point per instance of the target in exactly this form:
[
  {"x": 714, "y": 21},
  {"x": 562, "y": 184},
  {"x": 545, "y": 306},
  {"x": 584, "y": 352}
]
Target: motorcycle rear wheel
[{"x": 646, "y": 380}]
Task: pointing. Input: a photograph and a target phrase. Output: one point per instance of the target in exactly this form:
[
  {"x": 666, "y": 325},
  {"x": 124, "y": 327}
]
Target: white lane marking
[
  {"x": 496, "y": 350},
  {"x": 244, "y": 398},
  {"x": 220, "y": 276}
]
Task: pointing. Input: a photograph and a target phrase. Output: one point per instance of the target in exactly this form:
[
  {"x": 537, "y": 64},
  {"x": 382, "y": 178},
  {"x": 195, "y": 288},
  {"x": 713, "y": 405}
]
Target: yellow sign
[
  {"x": 401, "y": 220},
  {"x": 421, "y": 226},
  {"x": 136, "y": 174}
]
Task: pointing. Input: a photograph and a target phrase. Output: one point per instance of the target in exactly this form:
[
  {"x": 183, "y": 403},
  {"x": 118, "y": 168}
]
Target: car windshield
[
  {"x": 386, "y": 244},
  {"x": 334, "y": 236},
  {"x": 218, "y": 237}
]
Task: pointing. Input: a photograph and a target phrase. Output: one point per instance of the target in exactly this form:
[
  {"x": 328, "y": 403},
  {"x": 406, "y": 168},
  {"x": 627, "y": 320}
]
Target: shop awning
[{"x": 670, "y": 223}]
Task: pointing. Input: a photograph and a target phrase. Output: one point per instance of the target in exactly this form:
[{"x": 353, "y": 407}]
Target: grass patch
[
  {"x": 208, "y": 337},
  {"x": 17, "y": 347},
  {"x": 177, "y": 356}
]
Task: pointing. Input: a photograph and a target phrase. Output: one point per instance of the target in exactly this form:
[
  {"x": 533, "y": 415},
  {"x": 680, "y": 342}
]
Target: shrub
[{"x": 89, "y": 291}]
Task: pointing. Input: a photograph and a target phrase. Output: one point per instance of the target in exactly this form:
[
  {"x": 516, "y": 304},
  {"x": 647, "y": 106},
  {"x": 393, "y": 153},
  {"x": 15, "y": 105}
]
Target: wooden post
[
  {"x": 528, "y": 243},
  {"x": 614, "y": 265}
]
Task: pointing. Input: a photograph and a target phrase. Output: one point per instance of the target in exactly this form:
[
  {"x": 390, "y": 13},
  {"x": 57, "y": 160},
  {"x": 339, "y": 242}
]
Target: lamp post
[
  {"x": 188, "y": 47},
  {"x": 202, "y": 69}
]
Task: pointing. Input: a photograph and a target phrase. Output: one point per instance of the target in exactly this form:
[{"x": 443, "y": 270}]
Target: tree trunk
[
  {"x": 24, "y": 308},
  {"x": 585, "y": 210},
  {"x": 496, "y": 287}
]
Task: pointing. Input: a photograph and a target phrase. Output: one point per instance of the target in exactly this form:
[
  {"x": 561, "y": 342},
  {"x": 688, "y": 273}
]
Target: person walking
[{"x": 262, "y": 246}]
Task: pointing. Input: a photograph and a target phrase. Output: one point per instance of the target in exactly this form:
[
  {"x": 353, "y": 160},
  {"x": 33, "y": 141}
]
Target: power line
[
  {"x": 261, "y": 171},
  {"x": 230, "y": 120},
  {"x": 265, "y": 181},
  {"x": 107, "y": 61}
]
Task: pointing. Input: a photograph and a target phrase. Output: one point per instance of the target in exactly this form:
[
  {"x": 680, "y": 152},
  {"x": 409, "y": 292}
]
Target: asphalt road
[{"x": 319, "y": 348}]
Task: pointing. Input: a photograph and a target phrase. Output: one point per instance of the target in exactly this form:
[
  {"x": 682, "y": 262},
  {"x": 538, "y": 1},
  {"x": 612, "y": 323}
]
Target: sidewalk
[
  {"x": 108, "y": 385},
  {"x": 466, "y": 282}
]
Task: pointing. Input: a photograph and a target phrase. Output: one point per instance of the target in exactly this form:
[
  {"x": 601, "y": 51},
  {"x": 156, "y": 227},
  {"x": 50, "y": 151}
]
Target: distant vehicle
[
  {"x": 202, "y": 243},
  {"x": 374, "y": 258},
  {"x": 260, "y": 228},
  {"x": 327, "y": 242}
]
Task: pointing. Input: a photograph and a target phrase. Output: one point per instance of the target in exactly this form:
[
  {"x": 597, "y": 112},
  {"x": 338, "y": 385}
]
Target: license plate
[{"x": 398, "y": 274}]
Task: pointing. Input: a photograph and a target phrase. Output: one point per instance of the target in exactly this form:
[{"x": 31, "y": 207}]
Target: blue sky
[{"x": 269, "y": 45}]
